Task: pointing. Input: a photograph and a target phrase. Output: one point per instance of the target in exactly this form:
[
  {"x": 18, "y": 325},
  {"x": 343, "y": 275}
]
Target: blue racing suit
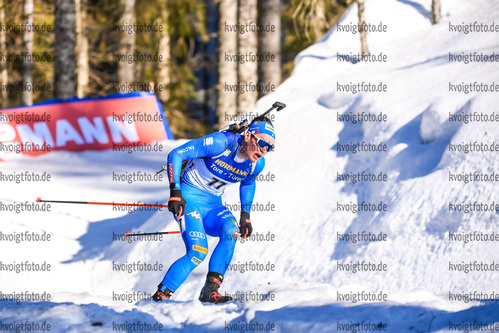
[{"x": 213, "y": 166}]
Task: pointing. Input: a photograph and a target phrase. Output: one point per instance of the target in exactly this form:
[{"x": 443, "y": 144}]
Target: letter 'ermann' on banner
[{"x": 78, "y": 125}]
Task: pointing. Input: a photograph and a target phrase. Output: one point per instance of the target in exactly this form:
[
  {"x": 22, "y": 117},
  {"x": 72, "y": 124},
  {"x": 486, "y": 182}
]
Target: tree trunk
[
  {"x": 248, "y": 43},
  {"x": 4, "y": 77},
  {"x": 362, "y": 31},
  {"x": 127, "y": 43},
  {"x": 435, "y": 9},
  {"x": 64, "y": 53},
  {"x": 27, "y": 94},
  {"x": 82, "y": 49},
  {"x": 269, "y": 13},
  {"x": 164, "y": 50},
  {"x": 210, "y": 61},
  {"x": 227, "y": 70}
]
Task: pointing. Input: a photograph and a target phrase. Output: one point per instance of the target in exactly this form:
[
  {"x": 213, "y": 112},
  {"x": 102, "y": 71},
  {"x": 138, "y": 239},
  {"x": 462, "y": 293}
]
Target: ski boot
[
  {"x": 162, "y": 294},
  {"x": 210, "y": 293}
]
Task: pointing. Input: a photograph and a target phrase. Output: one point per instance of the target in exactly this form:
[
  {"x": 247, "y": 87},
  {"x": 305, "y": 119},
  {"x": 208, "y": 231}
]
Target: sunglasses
[{"x": 263, "y": 144}]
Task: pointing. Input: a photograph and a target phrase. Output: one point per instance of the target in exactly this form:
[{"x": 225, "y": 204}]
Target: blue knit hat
[{"x": 262, "y": 127}]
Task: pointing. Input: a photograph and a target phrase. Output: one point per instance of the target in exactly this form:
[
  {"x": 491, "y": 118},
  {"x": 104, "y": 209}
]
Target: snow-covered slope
[{"x": 418, "y": 264}]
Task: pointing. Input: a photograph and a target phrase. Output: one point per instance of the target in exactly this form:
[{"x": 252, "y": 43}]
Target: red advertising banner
[{"x": 89, "y": 124}]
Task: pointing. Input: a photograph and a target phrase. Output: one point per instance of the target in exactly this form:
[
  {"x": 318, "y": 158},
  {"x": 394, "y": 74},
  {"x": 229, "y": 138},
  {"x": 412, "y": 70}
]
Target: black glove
[
  {"x": 176, "y": 204},
  {"x": 245, "y": 228}
]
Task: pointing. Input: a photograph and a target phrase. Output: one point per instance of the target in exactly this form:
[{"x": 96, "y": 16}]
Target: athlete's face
[{"x": 253, "y": 151}]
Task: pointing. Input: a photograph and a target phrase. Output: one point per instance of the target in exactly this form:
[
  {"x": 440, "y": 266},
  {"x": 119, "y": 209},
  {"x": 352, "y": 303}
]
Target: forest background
[{"x": 206, "y": 61}]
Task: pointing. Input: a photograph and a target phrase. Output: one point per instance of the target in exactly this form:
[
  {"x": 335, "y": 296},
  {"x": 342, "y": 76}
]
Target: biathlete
[{"x": 215, "y": 162}]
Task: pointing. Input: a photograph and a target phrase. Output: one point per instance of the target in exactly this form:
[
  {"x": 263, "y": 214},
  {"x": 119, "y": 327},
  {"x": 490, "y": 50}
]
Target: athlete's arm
[
  {"x": 206, "y": 146},
  {"x": 246, "y": 194},
  {"x": 248, "y": 186}
]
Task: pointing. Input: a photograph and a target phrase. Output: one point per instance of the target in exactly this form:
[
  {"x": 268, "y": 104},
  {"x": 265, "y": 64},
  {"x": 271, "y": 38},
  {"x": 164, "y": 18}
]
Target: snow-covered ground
[{"x": 420, "y": 275}]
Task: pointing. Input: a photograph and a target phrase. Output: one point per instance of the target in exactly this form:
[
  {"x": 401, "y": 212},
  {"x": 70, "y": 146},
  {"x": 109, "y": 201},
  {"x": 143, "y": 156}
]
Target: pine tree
[
  {"x": 187, "y": 26},
  {"x": 27, "y": 95},
  {"x": 64, "y": 49},
  {"x": 164, "y": 51},
  {"x": 269, "y": 42},
  {"x": 247, "y": 72},
  {"x": 227, "y": 70},
  {"x": 362, "y": 32},
  {"x": 82, "y": 49},
  {"x": 127, "y": 43},
  {"x": 304, "y": 23},
  {"x": 435, "y": 9},
  {"x": 4, "y": 76}
]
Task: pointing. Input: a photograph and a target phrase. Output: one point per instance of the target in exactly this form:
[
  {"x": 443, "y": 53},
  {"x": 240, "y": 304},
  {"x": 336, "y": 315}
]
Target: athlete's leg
[
  {"x": 196, "y": 245},
  {"x": 221, "y": 223}
]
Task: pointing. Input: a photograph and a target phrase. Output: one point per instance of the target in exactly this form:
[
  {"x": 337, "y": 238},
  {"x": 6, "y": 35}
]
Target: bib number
[{"x": 216, "y": 183}]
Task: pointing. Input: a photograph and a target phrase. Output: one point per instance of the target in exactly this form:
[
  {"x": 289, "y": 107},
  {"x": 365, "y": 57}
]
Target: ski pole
[
  {"x": 102, "y": 203},
  {"x": 128, "y": 234}
]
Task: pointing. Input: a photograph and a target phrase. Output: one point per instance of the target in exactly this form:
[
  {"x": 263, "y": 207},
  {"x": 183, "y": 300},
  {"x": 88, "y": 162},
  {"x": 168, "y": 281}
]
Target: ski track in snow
[{"x": 305, "y": 286}]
